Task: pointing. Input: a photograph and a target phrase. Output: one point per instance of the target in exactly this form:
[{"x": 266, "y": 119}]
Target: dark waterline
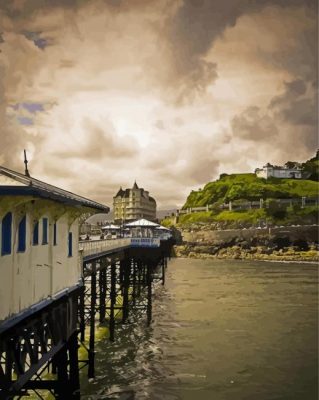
[{"x": 222, "y": 331}]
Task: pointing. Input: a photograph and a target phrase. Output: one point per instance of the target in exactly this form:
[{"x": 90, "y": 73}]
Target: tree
[{"x": 292, "y": 164}]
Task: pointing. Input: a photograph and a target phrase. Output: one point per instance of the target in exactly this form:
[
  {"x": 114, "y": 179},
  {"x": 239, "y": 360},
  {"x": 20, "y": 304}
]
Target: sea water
[{"x": 221, "y": 330}]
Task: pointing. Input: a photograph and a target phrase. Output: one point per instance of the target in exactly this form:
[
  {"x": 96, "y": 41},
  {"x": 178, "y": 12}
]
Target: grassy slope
[{"x": 248, "y": 187}]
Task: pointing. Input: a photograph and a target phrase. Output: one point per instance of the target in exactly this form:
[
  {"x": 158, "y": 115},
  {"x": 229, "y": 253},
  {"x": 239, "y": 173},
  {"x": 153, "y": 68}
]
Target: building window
[
  {"x": 22, "y": 233},
  {"x": 54, "y": 235},
  {"x": 70, "y": 244},
  {"x": 45, "y": 231},
  {"x": 35, "y": 239},
  {"x": 6, "y": 233}
]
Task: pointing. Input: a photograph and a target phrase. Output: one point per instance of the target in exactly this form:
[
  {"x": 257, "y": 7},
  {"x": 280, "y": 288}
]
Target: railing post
[{"x": 303, "y": 202}]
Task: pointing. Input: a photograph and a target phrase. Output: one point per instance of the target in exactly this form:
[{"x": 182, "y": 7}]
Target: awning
[
  {"x": 111, "y": 227},
  {"x": 142, "y": 223},
  {"x": 163, "y": 228}
]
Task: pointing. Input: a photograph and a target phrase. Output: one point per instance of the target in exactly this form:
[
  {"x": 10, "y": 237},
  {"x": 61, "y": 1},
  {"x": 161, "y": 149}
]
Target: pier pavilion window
[
  {"x": 70, "y": 244},
  {"x": 22, "y": 233},
  {"x": 54, "y": 235},
  {"x": 35, "y": 239},
  {"x": 6, "y": 234},
  {"x": 45, "y": 231}
]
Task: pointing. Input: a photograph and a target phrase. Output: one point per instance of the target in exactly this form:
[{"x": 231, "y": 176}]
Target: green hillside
[{"x": 250, "y": 188}]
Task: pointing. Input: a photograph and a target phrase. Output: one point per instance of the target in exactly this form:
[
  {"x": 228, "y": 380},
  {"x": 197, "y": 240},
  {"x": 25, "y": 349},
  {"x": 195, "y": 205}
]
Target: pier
[{"x": 55, "y": 290}]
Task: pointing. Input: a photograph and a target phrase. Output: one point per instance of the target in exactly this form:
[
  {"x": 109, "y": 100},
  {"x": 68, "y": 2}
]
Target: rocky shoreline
[{"x": 263, "y": 249}]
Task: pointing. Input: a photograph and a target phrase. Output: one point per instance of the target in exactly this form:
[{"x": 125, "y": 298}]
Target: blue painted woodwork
[{"x": 6, "y": 234}]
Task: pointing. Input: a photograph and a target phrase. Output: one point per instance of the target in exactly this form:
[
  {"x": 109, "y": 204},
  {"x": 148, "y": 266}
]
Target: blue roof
[{"x": 34, "y": 187}]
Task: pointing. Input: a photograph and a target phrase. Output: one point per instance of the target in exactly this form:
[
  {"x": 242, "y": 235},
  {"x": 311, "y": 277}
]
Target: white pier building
[{"x": 39, "y": 232}]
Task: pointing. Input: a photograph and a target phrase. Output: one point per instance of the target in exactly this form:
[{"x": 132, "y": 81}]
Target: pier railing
[
  {"x": 145, "y": 242},
  {"x": 91, "y": 247}
]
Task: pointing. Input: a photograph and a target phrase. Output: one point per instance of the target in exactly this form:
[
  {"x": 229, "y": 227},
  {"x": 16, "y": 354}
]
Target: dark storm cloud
[
  {"x": 252, "y": 124},
  {"x": 292, "y": 89},
  {"x": 295, "y": 108},
  {"x": 299, "y": 56},
  {"x": 112, "y": 57},
  {"x": 25, "y": 8},
  {"x": 198, "y": 23},
  {"x": 294, "y": 111},
  {"x": 189, "y": 32}
]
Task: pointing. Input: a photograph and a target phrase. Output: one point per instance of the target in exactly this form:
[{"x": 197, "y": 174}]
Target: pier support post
[
  {"x": 134, "y": 283},
  {"x": 61, "y": 362},
  {"x": 82, "y": 314},
  {"x": 163, "y": 270},
  {"x": 112, "y": 301},
  {"x": 121, "y": 274},
  {"x": 92, "y": 322},
  {"x": 126, "y": 283},
  {"x": 149, "y": 292},
  {"x": 74, "y": 367},
  {"x": 139, "y": 278},
  {"x": 102, "y": 284},
  {"x": 9, "y": 361}
]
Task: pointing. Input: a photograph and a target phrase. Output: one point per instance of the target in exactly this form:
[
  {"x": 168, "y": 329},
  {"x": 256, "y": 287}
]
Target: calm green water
[{"x": 222, "y": 331}]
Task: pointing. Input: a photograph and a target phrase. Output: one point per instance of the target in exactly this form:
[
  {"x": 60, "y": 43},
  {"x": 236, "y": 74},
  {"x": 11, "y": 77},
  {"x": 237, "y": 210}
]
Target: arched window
[
  {"x": 22, "y": 232},
  {"x": 35, "y": 239},
  {"x": 6, "y": 234}
]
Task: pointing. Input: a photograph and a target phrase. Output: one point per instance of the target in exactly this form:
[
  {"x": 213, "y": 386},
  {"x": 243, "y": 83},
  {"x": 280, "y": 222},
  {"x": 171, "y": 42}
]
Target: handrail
[{"x": 91, "y": 247}]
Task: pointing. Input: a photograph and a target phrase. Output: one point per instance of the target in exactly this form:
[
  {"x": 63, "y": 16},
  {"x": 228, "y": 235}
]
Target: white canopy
[
  {"x": 143, "y": 223},
  {"x": 161, "y": 227},
  {"x": 111, "y": 227}
]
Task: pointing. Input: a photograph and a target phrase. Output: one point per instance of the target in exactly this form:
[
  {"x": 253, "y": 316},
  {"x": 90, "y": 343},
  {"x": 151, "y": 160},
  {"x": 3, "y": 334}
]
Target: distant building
[
  {"x": 133, "y": 204},
  {"x": 269, "y": 171}
]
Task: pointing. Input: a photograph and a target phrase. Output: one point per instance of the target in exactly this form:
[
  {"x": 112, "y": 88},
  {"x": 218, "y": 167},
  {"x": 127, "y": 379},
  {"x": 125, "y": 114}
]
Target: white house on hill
[{"x": 269, "y": 171}]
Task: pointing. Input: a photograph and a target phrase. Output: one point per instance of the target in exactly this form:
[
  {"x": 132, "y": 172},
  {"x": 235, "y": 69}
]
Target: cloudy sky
[{"x": 168, "y": 92}]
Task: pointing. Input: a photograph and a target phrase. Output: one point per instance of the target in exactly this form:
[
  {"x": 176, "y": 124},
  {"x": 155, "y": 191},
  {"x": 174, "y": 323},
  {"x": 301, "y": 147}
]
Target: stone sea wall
[{"x": 278, "y": 244}]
